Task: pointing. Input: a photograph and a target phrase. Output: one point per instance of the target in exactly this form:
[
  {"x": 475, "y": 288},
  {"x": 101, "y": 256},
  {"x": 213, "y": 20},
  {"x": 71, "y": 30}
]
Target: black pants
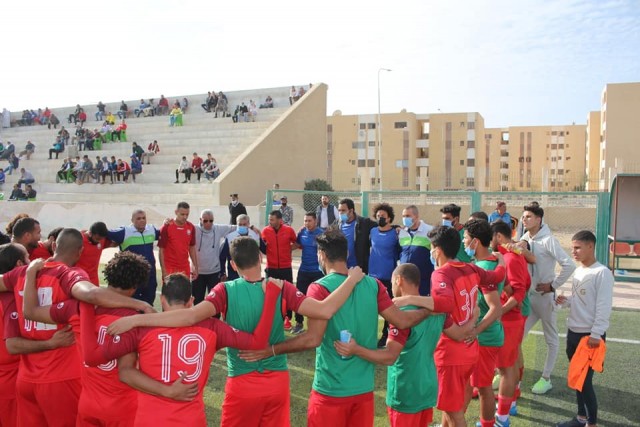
[
  {"x": 203, "y": 285},
  {"x": 587, "y": 401},
  {"x": 52, "y": 151},
  {"x": 304, "y": 279},
  {"x": 147, "y": 292},
  {"x": 284, "y": 274},
  {"x": 385, "y": 327}
]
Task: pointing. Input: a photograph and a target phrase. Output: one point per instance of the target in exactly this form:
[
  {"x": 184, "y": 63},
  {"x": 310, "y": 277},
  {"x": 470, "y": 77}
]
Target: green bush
[{"x": 310, "y": 201}]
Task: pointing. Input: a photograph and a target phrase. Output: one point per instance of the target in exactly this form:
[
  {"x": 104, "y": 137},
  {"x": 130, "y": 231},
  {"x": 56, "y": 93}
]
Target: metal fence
[{"x": 565, "y": 213}]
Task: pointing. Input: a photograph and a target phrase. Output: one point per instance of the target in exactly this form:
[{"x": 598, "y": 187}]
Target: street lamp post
[{"x": 379, "y": 131}]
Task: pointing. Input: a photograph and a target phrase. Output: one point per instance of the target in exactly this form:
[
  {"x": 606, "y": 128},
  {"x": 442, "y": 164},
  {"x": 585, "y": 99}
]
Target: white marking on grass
[{"x": 620, "y": 340}]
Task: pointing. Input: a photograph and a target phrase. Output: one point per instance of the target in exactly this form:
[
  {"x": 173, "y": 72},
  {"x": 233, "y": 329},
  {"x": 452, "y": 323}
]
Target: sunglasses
[{"x": 207, "y": 220}]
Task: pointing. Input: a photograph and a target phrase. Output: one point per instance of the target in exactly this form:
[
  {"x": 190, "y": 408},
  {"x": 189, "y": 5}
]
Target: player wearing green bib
[
  {"x": 342, "y": 392},
  {"x": 412, "y": 382},
  {"x": 257, "y": 391},
  {"x": 477, "y": 238}
]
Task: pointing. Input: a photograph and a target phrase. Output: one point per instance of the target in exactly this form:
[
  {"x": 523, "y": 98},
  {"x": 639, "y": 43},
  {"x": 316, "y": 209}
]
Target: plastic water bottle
[{"x": 345, "y": 336}]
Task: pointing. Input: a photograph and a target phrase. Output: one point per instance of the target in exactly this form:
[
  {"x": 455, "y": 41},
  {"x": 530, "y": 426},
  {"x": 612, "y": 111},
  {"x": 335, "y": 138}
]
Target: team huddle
[{"x": 455, "y": 299}]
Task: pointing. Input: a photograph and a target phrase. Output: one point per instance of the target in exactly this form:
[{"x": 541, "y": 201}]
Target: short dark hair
[
  {"x": 479, "y": 229},
  {"x": 501, "y": 227},
  {"x": 54, "y": 233},
  {"x": 183, "y": 205},
  {"x": 10, "y": 254},
  {"x": 69, "y": 239},
  {"x": 535, "y": 209},
  {"x": 127, "y": 270},
  {"x": 480, "y": 215},
  {"x": 276, "y": 213},
  {"x": 245, "y": 252},
  {"x": 409, "y": 272},
  {"x": 451, "y": 208},
  {"x": 311, "y": 214},
  {"x": 177, "y": 289},
  {"x": 384, "y": 207},
  {"x": 24, "y": 226},
  {"x": 99, "y": 229},
  {"x": 584, "y": 236},
  {"x": 447, "y": 239},
  {"x": 333, "y": 243},
  {"x": 348, "y": 202}
]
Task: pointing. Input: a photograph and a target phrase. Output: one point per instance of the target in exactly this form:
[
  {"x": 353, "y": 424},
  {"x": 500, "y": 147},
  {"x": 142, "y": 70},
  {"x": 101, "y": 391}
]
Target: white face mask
[{"x": 234, "y": 203}]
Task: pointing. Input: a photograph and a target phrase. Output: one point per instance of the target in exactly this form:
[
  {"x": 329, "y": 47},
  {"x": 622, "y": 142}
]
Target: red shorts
[
  {"x": 49, "y": 404},
  {"x": 452, "y": 382},
  {"x": 85, "y": 420},
  {"x": 402, "y": 419},
  {"x": 8, "y": 412},
  {"x": 256, "y": 399},
  {"x": 513, "y": 334},
  {"x": 352, "y": 411},
  {"x": 484, "y": 370}
]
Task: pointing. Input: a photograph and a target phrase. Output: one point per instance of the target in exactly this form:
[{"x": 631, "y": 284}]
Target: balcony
[{"x": 422, "y": 143}]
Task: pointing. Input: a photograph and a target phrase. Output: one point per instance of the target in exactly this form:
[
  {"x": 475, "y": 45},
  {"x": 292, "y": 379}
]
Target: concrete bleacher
[{"x": 236, "y": 146}]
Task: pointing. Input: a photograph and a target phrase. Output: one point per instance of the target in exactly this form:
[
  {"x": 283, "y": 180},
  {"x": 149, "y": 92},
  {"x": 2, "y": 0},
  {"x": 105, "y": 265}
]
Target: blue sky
[{"x": 516, "y": 62}]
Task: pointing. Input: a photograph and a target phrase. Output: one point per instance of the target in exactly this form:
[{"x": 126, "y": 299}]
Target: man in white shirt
[
  {"x": 589, "y": 312},
  {"x": 326, "y": 212}
]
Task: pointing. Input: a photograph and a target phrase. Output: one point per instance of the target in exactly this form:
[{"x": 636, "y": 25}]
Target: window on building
[
  {"x": 363, "y": 126},
  {"x": 471, "y": 182},
  {"x": 471, "y": 162},
  {"x": 357, "y": 144},
  {"x": 353, "y": 162},
  {"x": 568, "y": 158},
  {"x": 361, "y": 163},
  {"x": 555, "y": 132},
  {"x": 461, "y": 162},
  {"x": 505, "y": 137},
  {"x": 462, "y": 125},
  {"x": 400, "y": 125},
  {"x": 567, "y": 145},
  {"x": 504, "y": 165},
  {"x": 554, "y": 146},
  {"x": 471, "y": 125},
  {"x": 561, "y": 146},
  {"x": 461, "y": 143},
  {"x": 371, "y": 125},
  {"x": 471, "y": 144},
  {"x": 402, "y": 164},
  {"x": 372, "y": 143},
  {"x": 423, "y": 153},
  {"x": 373, "y": 181},
  {"x": 461, "y": 181},
  {"x": 561, "y": 133},
  {"x": 372, "y": 163},
  {"x": 487, "y": 136}
]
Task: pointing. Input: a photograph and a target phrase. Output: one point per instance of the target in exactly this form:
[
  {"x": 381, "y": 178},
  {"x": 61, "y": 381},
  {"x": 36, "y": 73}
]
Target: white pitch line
[{"x": 620, "y": 340}]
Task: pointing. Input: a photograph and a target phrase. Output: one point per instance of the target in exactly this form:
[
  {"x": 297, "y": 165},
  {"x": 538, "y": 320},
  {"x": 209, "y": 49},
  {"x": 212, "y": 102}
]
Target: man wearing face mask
[
  {"x": 385, "y": 251},
  {"x": 244, "y": 229},
  {"x": 235, "y": 208},
  {"x": 356, "y": 229},
  {"x": 287, "y": 211},
  {"x": 209, "y": 238},
  {"x": 451, "y": 218},
  {"x": 415, "y": 246}
]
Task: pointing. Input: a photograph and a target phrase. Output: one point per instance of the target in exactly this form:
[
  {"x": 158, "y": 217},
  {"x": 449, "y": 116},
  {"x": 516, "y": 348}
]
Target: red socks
[
  {"x": 504, "y": 404},
  {"x": 485, "y": 423}
]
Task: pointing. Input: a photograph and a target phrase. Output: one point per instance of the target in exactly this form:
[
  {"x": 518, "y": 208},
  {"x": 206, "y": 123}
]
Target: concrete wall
[{"x": 291, "y": 151}]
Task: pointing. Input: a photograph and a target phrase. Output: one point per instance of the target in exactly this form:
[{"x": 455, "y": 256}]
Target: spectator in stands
[
  {"x": 119, "y": 130},
  {"x": 105, "y": 170},
  {"x": 78, "y": 136},
  {"x": 301, "y": 92},
  {"x": 14, "y": 163},
  {"x": 29, "y": 193},
  {"x": 82, "y": 117},
  {"x": 85, "y": 170},
  {"x": 151, "y": 109},
  {"x": 137, "y": 150},
  {"x": 16, "y": 193},
  {"x": 1, "y": 148},
  {"x": 111, "y": 119},
  {"x": 46, "y": 116},
  {"x": 123, "y": 112},
  {"x": 236, "y": 114},
  {"x": 212, "y": 171},
  {"x": 64, "y": 135},
  {"x": 106, "y": 129},
  {"x": 123, "y": 170},
  {"x": 196, "y": 165},
  {"x": 26, "y": 177},
  {"x": 100, "y": 112},
  {"x": 185, "y": 168},
  {"x": 244, "y": 112},
  {"x": 29, "y": 148},
  {"x": 292, "y": 95},
  {"x": 253, "y": 110},
  {"x": 136, "y": 166},
  {"x": 2, "y": 177},
  {"x": 113, "y": 167},
  {"x": 63, "y": 172},
  {"x": 77, "y": 168},
  {"x": 268, "y": 102},
  {"x": 74, "y": 117},
  {"x": 152, "y": 150},
  {"x": 185, "y": 105},
  {"x": 163, "y": 106},
  {"x": 8, "y": 151},
  {"x": 58, "y": 147},
  {"x": 98, "y": 166},
  {"x": 53, "y": 121},
  {"x": 222, "y": 106},
  {"x": 175, "y": 112},
  {"x": 236, "y": 208},
  {"x": 207, "y": 106},
  {"x": 141, "y": 107}
]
